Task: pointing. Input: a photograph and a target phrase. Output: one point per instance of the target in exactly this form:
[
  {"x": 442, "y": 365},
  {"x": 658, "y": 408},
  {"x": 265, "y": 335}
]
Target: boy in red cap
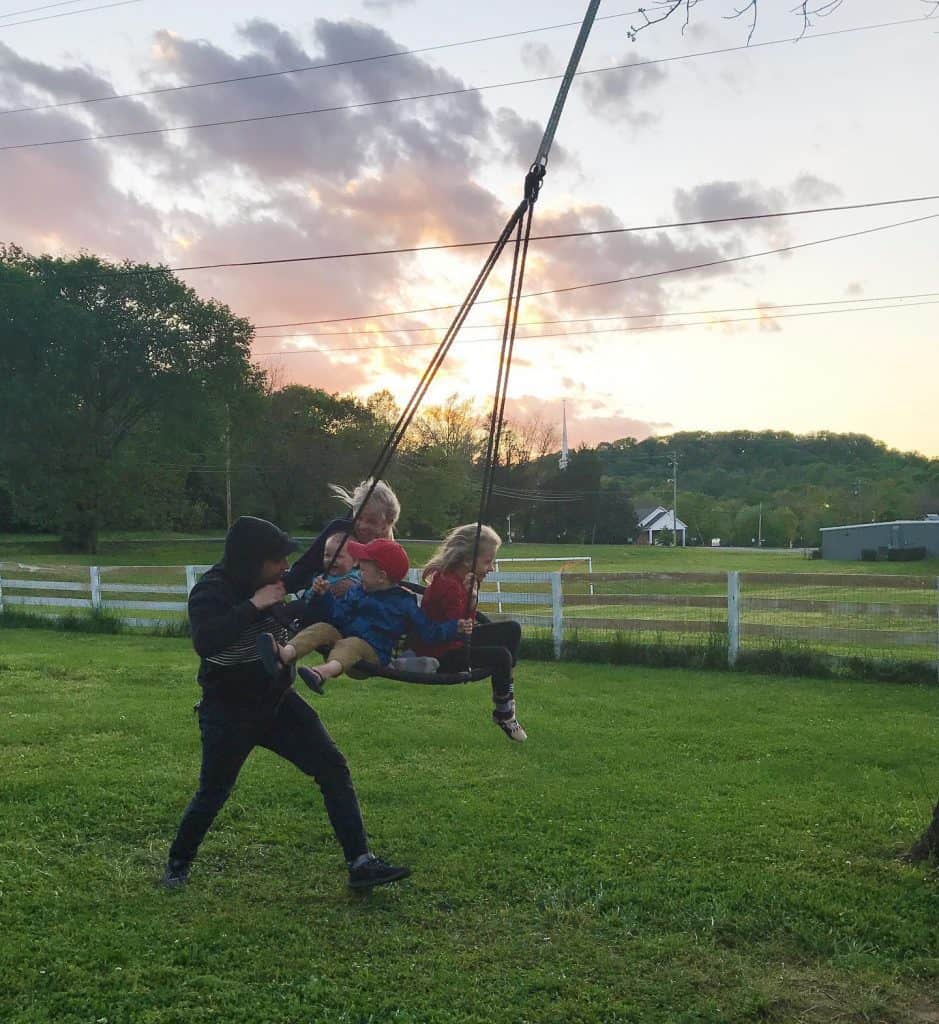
[{"x": 365, "y": 624}]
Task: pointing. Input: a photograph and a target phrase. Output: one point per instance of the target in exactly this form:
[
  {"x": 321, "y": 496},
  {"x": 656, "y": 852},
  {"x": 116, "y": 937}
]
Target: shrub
[{"x": 905, "y": 554}]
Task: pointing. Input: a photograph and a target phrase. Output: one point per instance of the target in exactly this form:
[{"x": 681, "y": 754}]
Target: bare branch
[
  {"x": 823, "y": 10},
  {"x": 752, "y": 5},
  {"x": 807, "y": 10},
  {"x": 670, "y": 7}
]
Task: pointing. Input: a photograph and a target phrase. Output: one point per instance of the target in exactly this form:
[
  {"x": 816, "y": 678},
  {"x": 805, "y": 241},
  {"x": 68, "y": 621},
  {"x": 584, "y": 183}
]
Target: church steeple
[{"x": 565, "y": 453}]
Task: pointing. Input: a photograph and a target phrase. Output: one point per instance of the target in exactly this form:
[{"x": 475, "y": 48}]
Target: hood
[{"x": 249, "y": 543}]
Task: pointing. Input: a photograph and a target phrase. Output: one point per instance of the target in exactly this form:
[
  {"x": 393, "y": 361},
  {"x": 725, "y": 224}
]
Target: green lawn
[
  {"x": 174, "y": 549},
  {"x": 670, "y": 846}
]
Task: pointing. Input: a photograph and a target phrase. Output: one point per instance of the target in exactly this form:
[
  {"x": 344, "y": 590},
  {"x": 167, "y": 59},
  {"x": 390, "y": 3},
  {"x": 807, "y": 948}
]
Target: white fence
[{"x": 844, "y": 614}]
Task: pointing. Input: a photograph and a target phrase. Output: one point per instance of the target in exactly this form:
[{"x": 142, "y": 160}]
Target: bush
[
  {"x": 868, "y": 554},
  {"x": 816, "y": 553},
  {"x": 905, "y": 554}
]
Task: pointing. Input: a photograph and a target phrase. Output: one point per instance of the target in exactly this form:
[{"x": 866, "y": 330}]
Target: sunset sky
[{"x": 829, "y": 120}]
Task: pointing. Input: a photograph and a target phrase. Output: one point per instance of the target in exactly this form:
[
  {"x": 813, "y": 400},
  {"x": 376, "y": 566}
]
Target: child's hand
[
  {"x": 341, "y": 587},
  {"x": 320, "y": 585},
  {"x": 465, "y": 626}
]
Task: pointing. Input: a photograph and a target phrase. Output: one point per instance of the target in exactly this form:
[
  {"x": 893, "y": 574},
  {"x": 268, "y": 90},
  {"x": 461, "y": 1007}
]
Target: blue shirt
[{"x": 379, "y": 617}]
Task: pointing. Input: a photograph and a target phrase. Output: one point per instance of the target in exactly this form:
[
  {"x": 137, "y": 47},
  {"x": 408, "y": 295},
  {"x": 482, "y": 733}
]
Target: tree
[
  {"x": 95, "y": 356},
  {"x": 805, "y": 10}
]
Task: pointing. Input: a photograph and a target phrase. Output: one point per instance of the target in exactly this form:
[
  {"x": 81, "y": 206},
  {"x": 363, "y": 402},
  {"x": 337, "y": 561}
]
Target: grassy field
[
  {"x": 669, "y": 847},
  {"x": 176, "y": 550}
]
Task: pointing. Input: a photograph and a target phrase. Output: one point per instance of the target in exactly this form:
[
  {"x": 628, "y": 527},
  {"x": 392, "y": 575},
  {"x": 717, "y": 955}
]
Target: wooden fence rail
[{"x": 832, "y": 613}]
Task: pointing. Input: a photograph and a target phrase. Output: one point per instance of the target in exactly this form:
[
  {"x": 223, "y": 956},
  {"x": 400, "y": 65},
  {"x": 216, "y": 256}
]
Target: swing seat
[{"x": 367, "y": 670}]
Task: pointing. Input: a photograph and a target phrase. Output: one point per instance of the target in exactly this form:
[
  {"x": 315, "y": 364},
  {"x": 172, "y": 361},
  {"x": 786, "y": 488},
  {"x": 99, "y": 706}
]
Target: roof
[
  {"x": 892, "y": 522},
  {"x": 661, "y": 519}
]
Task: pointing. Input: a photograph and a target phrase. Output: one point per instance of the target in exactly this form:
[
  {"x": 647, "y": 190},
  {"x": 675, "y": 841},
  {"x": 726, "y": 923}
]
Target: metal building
[{"x": 845, "y": 543}]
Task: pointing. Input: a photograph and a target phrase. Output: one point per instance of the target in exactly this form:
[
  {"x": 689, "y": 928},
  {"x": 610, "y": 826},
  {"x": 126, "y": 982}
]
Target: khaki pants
[{"x": 347, "y": 650}]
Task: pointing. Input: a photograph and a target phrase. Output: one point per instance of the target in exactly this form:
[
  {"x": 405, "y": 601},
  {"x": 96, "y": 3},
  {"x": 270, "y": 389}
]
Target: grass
[
  {"x": 670, "y": 846},
  {"x": 189, "y": 549}
]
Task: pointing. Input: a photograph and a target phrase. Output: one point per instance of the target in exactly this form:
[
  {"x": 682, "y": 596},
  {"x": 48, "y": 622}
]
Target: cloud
[
  {"x": 539, "y": 57},
  {"x": 589, "y": 421},
  {"x": 522, "y": 137},
  {"x": 623, "y": 95},
  {"x": 386, "y": 5}
]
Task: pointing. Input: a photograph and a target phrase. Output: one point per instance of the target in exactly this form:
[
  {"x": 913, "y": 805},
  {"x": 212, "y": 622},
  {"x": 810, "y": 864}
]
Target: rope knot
[{"x": 533, "y": 181}]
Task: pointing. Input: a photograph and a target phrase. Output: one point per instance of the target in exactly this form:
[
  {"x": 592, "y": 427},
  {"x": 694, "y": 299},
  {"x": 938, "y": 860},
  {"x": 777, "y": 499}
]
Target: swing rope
[{"x": 519, "y": 224}]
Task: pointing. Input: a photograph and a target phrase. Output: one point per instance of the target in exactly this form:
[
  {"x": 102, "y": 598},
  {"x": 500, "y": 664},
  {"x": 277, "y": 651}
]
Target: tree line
[{"x": 127, "y": 402}]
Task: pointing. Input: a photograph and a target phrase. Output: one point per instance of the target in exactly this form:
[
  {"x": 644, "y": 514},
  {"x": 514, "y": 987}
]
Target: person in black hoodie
[{"x": 243, "y": 708}]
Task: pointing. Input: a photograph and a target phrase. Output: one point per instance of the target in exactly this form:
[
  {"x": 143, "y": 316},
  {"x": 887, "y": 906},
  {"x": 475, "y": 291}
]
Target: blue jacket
[{"x": 379, "y": 617}]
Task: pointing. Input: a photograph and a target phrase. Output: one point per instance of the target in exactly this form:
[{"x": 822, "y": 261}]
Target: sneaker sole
[{"x": 372, "y": 883}]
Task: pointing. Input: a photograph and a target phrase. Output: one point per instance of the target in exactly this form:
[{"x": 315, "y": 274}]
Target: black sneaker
[
  {"x": 312, "y": 678},
  {"x": 176, "y": 874},
  {"x": 376, "y": 871},
  {"x": 269, "y": 654}
]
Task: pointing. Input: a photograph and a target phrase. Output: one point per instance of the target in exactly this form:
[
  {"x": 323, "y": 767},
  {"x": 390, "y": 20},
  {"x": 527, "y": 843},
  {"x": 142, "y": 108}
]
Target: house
[
  {"x": 845, "y": 543},
  {"x": 652, "y": 521}
]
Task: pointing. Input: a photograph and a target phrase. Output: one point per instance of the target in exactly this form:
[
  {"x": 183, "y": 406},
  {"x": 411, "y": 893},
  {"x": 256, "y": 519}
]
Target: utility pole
[
  {"x": 759, "y": 528},
  {"x": 673, "y": 462},
  {"x": 508, "y": 520},
  {"x": 228, "y": 516}
]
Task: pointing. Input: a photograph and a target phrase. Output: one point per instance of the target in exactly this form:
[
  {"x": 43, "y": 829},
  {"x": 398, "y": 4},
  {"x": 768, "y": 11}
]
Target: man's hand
[
  {"x": 268, "y": 595},
  {"x": 320, "y": 585},
  {"x": 465, "y": 626}
]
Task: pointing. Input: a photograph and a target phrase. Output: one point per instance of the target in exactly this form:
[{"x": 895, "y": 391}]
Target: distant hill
[{"x": 803, "y": 481}]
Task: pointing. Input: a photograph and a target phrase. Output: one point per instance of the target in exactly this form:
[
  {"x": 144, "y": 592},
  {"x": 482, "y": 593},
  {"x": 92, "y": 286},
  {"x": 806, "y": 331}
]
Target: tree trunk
[{"x": 928, "y": 843}]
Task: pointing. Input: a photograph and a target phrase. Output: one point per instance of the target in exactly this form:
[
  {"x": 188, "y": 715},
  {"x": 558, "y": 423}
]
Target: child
[
  {"x": 339, "y": 565},
  {"x": 365, "y": 624},
  {"x": 454, "y": 581}
]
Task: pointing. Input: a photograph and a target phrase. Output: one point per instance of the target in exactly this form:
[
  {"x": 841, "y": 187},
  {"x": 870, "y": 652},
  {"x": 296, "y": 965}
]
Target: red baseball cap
[{"x": 386, "y": 554}]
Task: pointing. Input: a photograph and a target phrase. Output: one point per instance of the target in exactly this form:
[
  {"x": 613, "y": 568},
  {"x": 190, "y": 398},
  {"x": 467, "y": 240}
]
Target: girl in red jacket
[{"x": 453, "y": 581}]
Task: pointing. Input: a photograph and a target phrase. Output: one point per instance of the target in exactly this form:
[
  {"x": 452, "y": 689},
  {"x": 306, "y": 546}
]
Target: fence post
[
  {"x": 498, "y": 586},
  {"x": 190, "y": 578},
  {"x": 733, "y": 617},
  {"x": 590, "y": 570},
  {"x": 557, "y": 613},
  {"x": 1, "y": 593},
  {"x": 94, "y": 575}
]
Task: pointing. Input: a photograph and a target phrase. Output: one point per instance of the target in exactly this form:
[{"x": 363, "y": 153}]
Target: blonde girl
[{"x": 454, "y": 579}]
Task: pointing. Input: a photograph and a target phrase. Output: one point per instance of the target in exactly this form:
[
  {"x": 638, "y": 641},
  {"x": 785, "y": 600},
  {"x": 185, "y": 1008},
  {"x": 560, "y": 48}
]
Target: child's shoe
[
  {"x": 411, "y": 662},
  {"x": 269, "y": 653},
  {"x": 509, "y": 724},
  {"x": 312, "y": 678}
]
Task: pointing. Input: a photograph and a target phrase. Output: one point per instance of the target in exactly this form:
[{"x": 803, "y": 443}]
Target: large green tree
[{"x": 96, "y": 358}]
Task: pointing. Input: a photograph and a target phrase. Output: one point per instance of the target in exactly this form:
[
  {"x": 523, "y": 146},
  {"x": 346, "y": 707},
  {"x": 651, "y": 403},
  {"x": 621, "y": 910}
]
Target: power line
[
  {"x": 609, "y": 330},
  {"x": 622, "y": 280},
  {"x": 306, "y": 68},
  {"x": 539, "y": 238},
  {"x": 66, "y": 14},
  {"x": 445, "y": 93},
  {"x": 44, "y": 7},
  {"x": 620, "y": 316},
  {"x": 406, "y": 250}
]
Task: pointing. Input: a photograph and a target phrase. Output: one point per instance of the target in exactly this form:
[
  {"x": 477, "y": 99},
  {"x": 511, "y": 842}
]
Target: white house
[{"x": 654, "y": 520}]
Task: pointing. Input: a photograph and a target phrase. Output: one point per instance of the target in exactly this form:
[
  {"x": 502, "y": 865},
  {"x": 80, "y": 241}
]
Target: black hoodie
[{"x": 226, "y": 625}]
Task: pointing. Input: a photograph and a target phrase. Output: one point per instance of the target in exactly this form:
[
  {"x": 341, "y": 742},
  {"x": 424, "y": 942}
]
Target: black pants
[
  {"x": 495, "y": 646},
  {"x": 294, "y": 731}
]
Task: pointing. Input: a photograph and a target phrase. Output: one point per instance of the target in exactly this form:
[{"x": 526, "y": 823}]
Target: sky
[{"x": 832, "y": 119}]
